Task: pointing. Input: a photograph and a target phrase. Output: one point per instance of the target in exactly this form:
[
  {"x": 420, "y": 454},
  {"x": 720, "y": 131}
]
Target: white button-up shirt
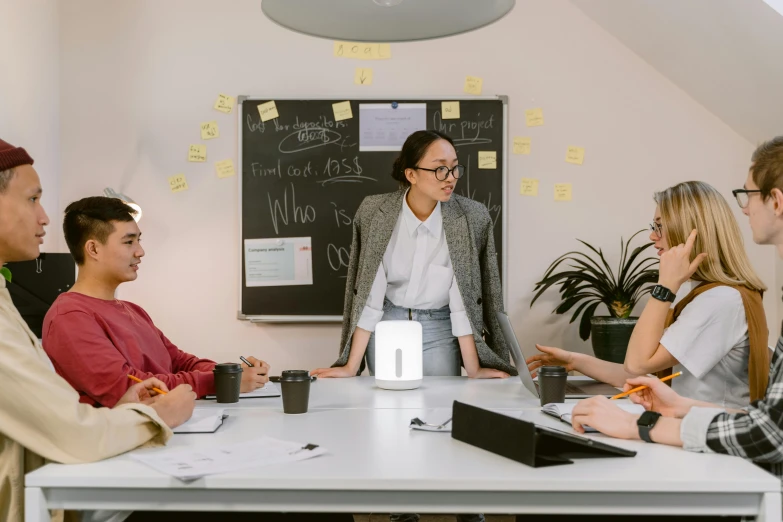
[{"x": 416, "y": 272}]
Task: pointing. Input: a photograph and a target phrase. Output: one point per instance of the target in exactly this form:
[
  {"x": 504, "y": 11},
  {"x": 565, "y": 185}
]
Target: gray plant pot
[{"x": 610, "y": 337}]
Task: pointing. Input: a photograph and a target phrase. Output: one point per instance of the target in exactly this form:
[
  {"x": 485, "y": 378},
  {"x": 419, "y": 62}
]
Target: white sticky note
[
  {"x": 487, "y": 159},
  {"x": 178, "y": 183},
  {"x": 268, "y": 111},
  {"x": 449, "y": 110},
  {"x": 529, "y": 187},
  {"x": 225, "y": 168},
  {"x": 209, "y": 130},
  {"x": 224, "y": 103},
  {"x": 473, "y": 84},
  {"x": 342, "y": 111},
  {"x": 197, "y": 153},
  {"x": 575, "y": 155},
  {"x": 562, "y": 191},
  {"x": 521, "y": 145},
  {"x": 534, "y": 117}
]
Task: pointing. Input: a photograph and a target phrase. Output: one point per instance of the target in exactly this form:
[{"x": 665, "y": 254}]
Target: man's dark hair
[
  {"x": 767, "y": 168},
  {"x": 91, "y": 218}
]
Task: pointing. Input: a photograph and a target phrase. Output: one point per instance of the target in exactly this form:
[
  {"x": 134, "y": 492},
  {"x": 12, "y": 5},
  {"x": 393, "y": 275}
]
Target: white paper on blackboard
[
  {"x": 284, "y": 261},
  {"x": 384, "y": 128}
]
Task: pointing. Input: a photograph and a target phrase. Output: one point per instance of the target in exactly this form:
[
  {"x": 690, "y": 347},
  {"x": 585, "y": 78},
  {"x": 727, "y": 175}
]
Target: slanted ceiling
[{"x": 726, "y": 54}]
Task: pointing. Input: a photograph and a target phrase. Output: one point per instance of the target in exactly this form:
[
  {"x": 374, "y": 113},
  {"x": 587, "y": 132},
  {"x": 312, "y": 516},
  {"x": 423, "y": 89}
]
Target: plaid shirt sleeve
[{"x": 756, "y": 435}]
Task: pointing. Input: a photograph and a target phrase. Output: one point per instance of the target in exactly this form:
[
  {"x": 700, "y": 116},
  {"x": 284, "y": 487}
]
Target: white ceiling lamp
[
  {"x": 384, "y": 20},
  {"x": 110, "y": 193}
]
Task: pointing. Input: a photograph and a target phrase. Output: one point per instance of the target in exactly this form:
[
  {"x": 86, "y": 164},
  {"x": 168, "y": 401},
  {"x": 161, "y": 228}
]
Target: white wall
[
  {"x": 138, "y": 77},
  {"x": 30, "y": 93},
  {"x": 723, "y": 53}
]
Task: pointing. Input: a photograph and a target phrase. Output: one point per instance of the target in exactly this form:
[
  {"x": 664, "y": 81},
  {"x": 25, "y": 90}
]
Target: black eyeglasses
[
  {"x": 743, "y": 196},
  {"x": 442, "y": 173},
  {"x": 657, "y": 228}
]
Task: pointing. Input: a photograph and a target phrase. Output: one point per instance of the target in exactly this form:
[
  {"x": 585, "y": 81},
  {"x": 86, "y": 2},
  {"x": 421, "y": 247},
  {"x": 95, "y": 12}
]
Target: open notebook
[
  {"x": 203, "y": 421},
  {"x": 562, "y": 410},
  {"x": 269, "y": 389}
]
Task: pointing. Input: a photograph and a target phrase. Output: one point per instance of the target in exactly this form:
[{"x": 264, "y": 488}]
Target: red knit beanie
[{"x": 11, "y": 156}]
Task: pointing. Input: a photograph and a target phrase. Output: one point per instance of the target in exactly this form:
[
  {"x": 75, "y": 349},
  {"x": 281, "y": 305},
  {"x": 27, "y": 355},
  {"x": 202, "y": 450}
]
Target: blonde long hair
[{"x": 698, "y": 205}]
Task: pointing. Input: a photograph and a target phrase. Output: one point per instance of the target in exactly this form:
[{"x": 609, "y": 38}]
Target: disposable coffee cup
[
  {"x": 228, "y": 380},
  {"x": 295, "y": 385},
  {"x": 552, "y": 384}
]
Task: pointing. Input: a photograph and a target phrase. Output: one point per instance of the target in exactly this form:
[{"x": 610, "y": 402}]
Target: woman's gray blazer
[{"x": 468, "y": 229}]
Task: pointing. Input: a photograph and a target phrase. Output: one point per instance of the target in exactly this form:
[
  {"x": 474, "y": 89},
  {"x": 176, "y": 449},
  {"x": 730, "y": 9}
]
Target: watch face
[{"x": 648, "y": 418}]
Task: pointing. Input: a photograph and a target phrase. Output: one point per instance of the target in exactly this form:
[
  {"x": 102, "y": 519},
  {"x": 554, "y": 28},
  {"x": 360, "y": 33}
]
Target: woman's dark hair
[{"x": 414, "y": 148}]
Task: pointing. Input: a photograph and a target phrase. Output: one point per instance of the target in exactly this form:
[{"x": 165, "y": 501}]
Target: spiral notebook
[
  {"x": 203, "y": 421},
  {"x": 562, "y": 410}
]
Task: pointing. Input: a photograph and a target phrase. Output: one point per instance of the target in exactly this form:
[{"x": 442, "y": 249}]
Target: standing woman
[{"x": 425, "y": 254}]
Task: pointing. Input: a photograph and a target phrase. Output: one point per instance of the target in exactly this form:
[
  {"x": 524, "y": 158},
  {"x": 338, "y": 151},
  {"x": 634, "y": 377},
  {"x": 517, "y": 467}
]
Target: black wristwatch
[
  {"x": 647, "y": 422},
  {"x": 662, "y": 293}
]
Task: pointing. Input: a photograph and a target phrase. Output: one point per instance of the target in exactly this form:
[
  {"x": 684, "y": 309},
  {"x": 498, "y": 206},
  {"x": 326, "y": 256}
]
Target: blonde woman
[{"x": 716, "y": 332}]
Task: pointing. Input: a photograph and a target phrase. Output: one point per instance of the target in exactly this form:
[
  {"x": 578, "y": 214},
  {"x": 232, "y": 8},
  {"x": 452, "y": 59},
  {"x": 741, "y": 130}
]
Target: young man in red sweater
[{"x": 94, "y": 340}]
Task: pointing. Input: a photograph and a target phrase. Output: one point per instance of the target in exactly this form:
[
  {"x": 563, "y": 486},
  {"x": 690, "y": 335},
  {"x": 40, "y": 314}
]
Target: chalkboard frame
[{"x": 339, "y": 318}]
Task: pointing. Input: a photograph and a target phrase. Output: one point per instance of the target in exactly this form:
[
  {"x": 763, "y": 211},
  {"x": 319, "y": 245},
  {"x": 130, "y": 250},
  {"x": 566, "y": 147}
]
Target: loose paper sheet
[{"x": 193, "y": 463}]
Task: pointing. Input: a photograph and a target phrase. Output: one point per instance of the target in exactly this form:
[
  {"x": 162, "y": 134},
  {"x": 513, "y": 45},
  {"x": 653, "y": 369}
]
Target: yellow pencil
[
  {"x": 134, "y": 378},
  {"x": 638, "y": 388}
]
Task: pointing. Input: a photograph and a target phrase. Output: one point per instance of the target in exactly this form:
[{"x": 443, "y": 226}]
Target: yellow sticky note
[
  {"x": 575, "y": 155},
  {"x": 529, "y": 187},
  {"x": 473, "y": 85},
  {"x": 224, "y": 103},
  {"x": 534, "y": 117},
  {"x": 268, "y": 111},
  {"x": 362, "y": 50},
  {"x": 384, "y": 51},
  {"x": 487, "y": 159},
  {"x": 225, "y": 168},
  {"x": 178, "y": 183},
  {"x": 521, "y": 145},
  {"x": 209, "y": 130},
  {"x": 342, "y": 111},
  {"x": 197, "y": 153},
  {"x": 363, "y": 76},
  {"x": 449, "y": 110},
  {"x": 562, "y": 192}
]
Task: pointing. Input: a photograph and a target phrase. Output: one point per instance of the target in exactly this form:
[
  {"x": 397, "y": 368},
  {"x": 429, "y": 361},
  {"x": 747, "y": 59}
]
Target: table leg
[
  {"x": 35, "y": 509},
  {"x": 770, "y": 510}
]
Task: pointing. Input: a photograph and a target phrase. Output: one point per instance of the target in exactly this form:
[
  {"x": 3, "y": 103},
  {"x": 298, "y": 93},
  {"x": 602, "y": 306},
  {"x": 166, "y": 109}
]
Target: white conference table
[{"x": 376, "y": 464}]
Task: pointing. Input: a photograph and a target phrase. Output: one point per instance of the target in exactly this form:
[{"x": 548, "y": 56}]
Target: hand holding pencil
[{"x": 654, "y": 394}]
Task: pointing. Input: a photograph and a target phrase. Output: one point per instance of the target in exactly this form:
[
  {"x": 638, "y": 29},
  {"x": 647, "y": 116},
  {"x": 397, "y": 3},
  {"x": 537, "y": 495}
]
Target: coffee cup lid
[
  {"x": 552, "y": 370},
  {"x": 295, "y": 376},
  {"x": 227, "y": 368}
]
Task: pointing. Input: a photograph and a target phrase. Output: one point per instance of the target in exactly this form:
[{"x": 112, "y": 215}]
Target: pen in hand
[
  {"x": 157, "y": 390},
  {"x": 639, "y": 388},
  {"x": 242, "y": 358}
]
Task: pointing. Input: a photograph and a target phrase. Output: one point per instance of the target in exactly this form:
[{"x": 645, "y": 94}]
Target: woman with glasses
[
  {"x": 425, "y": 254},
  {"x": 716, "y": 332}
]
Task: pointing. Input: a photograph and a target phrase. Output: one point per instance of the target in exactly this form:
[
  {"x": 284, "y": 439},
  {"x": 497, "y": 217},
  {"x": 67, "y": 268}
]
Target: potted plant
[{"x": 590, "y": 281}]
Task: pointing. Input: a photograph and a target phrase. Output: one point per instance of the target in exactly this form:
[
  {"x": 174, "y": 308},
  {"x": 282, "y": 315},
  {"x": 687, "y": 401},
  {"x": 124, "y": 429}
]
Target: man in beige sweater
[{"x": 41, "y": 417}]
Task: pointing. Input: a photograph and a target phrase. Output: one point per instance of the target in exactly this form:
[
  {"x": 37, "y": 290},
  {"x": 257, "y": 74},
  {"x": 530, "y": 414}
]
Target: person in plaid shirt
[{"x": 755, "y": 433}]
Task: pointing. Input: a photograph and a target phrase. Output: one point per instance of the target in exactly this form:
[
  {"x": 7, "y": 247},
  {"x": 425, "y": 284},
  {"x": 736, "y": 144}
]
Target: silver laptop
[{"x": 575, "y": 389}]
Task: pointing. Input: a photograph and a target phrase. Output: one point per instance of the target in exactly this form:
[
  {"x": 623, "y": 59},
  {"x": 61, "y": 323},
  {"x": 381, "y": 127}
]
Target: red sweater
[{"x": 95, "y": 344}]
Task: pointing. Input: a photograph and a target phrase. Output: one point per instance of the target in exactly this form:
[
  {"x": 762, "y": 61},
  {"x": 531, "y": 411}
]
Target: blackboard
[{"x": 303, "y": 175}]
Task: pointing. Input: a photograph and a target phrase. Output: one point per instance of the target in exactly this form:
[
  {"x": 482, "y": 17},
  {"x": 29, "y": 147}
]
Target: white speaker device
[{"x": 398, "y": 355}]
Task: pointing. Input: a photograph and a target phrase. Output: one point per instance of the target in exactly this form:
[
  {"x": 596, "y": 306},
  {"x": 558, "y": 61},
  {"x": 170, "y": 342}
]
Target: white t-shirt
[{"x": 710, "y": 341}]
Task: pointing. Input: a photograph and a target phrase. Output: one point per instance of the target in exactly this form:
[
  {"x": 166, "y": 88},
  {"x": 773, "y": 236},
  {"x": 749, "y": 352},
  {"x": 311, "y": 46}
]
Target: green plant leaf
[
  {"x": 601, "y": 255},
  {"x": 582, "y": 307},
  {"x": 6, "y": 273},
  {"x": 584, "y": 325}
]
